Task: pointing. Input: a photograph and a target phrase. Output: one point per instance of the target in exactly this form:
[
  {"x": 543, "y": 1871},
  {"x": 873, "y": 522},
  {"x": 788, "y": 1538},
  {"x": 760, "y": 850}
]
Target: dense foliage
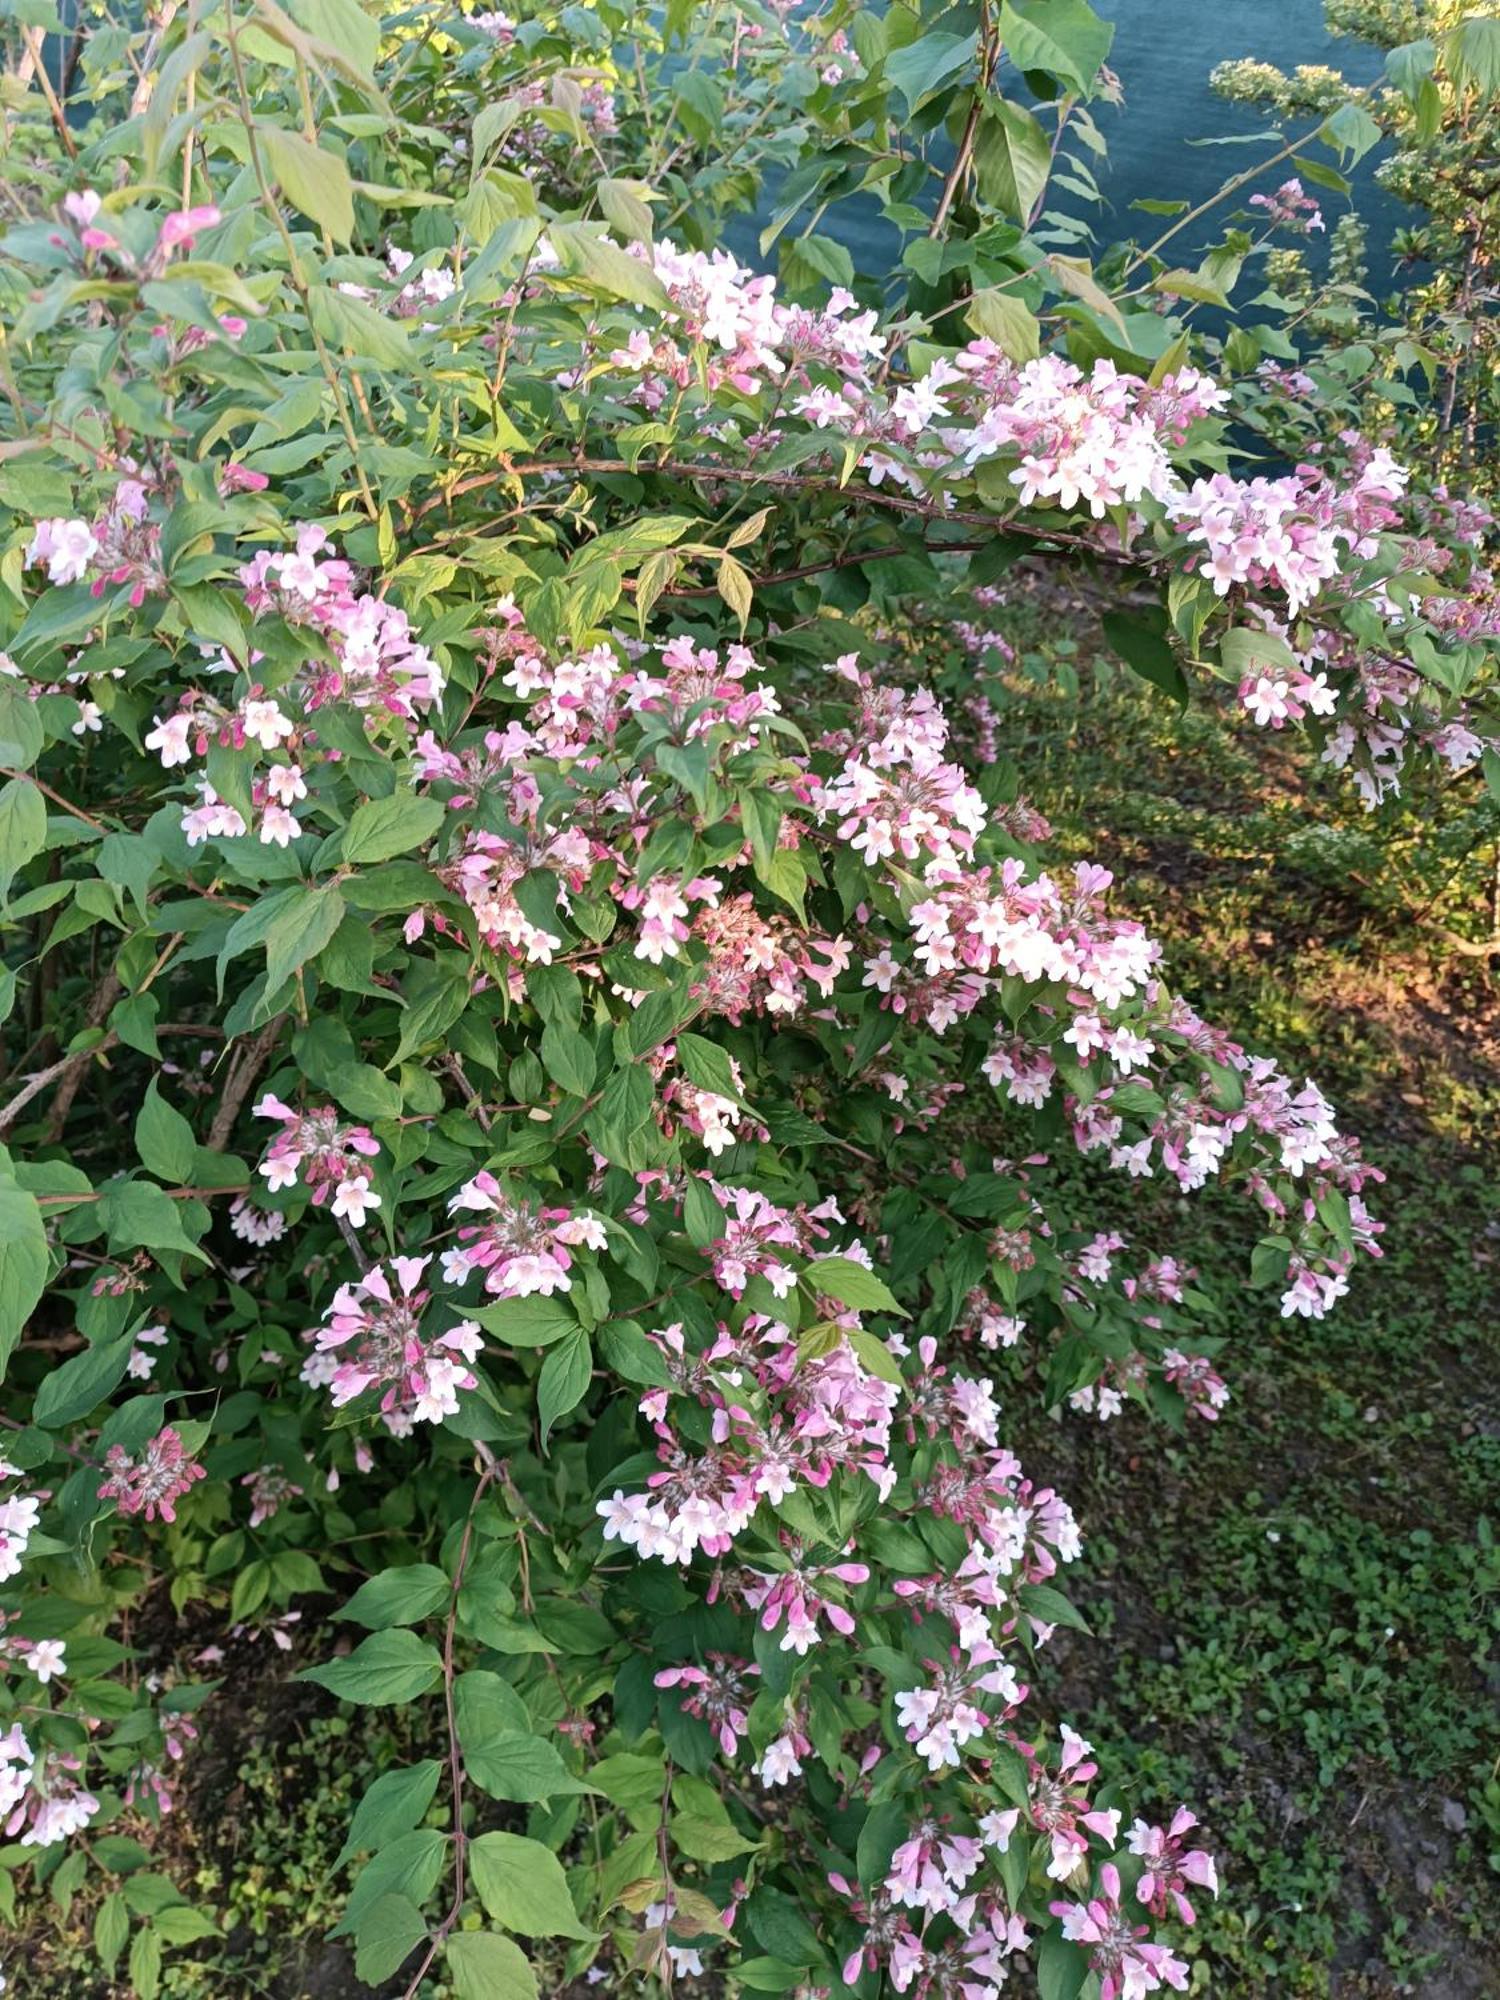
[
  {"x": 1434, "y": 102},
  {"x": 550, "y": 1075}
]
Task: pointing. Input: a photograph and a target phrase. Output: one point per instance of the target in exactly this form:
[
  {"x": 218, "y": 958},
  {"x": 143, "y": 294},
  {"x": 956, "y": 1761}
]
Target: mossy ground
[{"x": 1295, "y": 1611}]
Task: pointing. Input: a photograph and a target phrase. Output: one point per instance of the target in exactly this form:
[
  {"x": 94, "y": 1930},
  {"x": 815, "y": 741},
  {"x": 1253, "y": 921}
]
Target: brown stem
[
  {"x": 356, "y": 1248},
  {"x": 489, "y": 1467},
  {"x": 454, "y": 1066},
  {"x": 69, "y": 1068},
  {"x": 33, "y": 38},
  {"x": 959, "y": 168},
  {"x": 56, "y": 797},
  {"x": 844, "y": 561},
  {"x": 751, "y": 476},
  {"x": 246, "y": 1064}
]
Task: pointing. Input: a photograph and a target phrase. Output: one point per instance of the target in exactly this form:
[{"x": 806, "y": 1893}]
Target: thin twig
[
  {"x": 246, "y": 1064},
  {"x": 33, "y": 38},
  {"x": 489, "y": 1467}
]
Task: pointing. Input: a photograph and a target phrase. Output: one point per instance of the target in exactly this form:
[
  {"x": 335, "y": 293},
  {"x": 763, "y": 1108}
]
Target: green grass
[{"x": 1295, "y": 1613}]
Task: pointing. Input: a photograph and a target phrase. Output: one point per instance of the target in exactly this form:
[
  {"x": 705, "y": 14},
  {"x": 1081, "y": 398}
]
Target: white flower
[
  {"x": 45, "y": 1659},
  {"x": 354, "y": 1199},
  {"x": 264, "y": 723},
  {"x": 170, "y": 739}
]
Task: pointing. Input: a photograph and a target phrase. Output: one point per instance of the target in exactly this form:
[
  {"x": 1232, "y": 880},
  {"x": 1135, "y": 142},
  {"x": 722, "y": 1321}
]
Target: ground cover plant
[{"x": 566, "y": 1107}]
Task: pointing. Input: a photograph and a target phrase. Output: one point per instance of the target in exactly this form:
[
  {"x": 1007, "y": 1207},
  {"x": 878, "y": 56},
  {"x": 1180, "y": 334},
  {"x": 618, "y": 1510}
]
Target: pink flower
[
  {"x": 179, "y": 230},
  {"x": 374, "y": 1339},
  {"x": 1171, "y": 1865},
  {"x": 153, "y": 1482},
  {"x": 1128, "y": 1966}
]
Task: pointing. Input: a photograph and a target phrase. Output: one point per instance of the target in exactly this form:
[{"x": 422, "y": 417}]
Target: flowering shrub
[
  {"x": 547, "y": 1088},
  {"x": 1435, "y": 102}
]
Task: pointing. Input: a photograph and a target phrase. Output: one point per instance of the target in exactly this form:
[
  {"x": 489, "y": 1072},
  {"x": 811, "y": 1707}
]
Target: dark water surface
[{"x": 1164, "y": 51}]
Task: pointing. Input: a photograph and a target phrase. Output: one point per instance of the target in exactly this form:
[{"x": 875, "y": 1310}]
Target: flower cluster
[
  {"x": 19, "y": 1515},
  {"x": 1286, "y": 534},
  {"x": 374, "y": 1339},
  {"x": 41, "y": 1797},
  {"x": 317, "y": 1150},
  {"x": 153, "y": 1480},
  {"x": 522, "y": 1248},
  {"x": 121, "y": 546},
  {"x": 1290, "y": 207}
]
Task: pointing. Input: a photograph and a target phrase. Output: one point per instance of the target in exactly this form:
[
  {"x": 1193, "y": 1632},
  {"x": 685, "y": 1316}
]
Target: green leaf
[
  {"x": 1471, "y": 52},
  {"x": 735, "y": 588},
  {"x": 852, "y": 1285},
  {"x": 1350, "y": 132},
  {"x": 21, "y": 733},
  {"x": 409, "y": 1866},
  {"x": 111, "y": 1928},
  {"x": 621, "y": 1113},
  {"x": 522, "y": 1768},
  {"x": 180, "y": 1923},
  {"x": 300, "y": 932},
  {"x": 706, "y": 1065},
  {"x": 1041, "y": 1601},
  {"x": 587, "y": 254},
  {"x": 128, "y": 860},
  {"x": 564, "y": 1380},
  {"x": 486, "y": 1966},
  {"x": 388, "y": 1933},
  {"x": 534, "y": 1322},
  {"x": 875, "y": 1357},
  {"x": 624, "y": 209},
  {"x": 1066, "y": 38},
  {"x": 708, "y": 1840},
  {"x": 164, "y": 1139},
  {"x": 1009, "y": 322},
  {"x": 391, "y": 1806},
  {"x": 927, "y": 64},
  {"x": 1141, "y": 642},
  {"x": 23, "y": 1262},
  {"x": 436, "y": 992},
  {"x": 346, "y": 322},
  {"x": 401, "y": 1596},
  {"x": 312, "y": 179},
  {"x": 884, "y": 1830},
  {"x": 57, "y": 615},
  {"x": 139, "y": 1215},
  {"x": 568, "y": 1058},
  {"x": 386, "y": 1668},
  {"x": 145, "y": 1964},
  {"x": 486, "y": 1706},
  {"x": 623, "y": 1347},
  {"x": 1061, "y": 1967},
  {"x": 81, "y": 1383},
  {"x": 23, "y": 828},
  {"x": 1012, "y": 157},
  {"x": 1246, "y": 652},
  {"x": 1076, "y": 277},
  {"x": 569, "y": 1627},
  {"x": 522, "y": 1886},
  {"x": 768, "y": 1975},
  {"x": 380, "y": 829},
  {"x": 342, "y": 25},
  {"x": 1270, "y": 1261},
  {"x": 779, "y": 1927}
]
